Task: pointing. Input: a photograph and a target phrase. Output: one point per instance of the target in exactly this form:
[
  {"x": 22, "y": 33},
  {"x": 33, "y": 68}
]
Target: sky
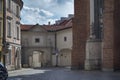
[{"x": 44, "y": 11}]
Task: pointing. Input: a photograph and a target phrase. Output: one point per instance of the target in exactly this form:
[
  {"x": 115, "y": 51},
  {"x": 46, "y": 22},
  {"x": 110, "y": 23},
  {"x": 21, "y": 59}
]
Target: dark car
[{"x": 3, "y": 72}]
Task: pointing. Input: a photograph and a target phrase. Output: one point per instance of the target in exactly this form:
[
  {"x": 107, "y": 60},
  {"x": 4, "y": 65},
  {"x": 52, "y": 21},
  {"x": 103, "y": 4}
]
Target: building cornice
[{"x": 19, "y": 2}]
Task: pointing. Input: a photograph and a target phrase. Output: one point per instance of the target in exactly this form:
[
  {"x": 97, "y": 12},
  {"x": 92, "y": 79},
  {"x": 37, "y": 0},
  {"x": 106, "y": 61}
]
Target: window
[
  {"x": 37, "y": 40},
  {"x": 18, "y": 33},
  {"x": 0, "y": 5},
  {"x": 9, "y": 4},
  {"x": 9, "y": 29},
  {"x": 17, "y": 11},
  {"x": 65, "y": 38},
  {"x": 0, "y": 28}
]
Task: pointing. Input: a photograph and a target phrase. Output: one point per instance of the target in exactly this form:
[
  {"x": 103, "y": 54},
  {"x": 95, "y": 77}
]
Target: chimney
[
  {"x": 63, "y": 18},
  {"x": 48, "y": 23},
  {"x": 70, "y": 16}
]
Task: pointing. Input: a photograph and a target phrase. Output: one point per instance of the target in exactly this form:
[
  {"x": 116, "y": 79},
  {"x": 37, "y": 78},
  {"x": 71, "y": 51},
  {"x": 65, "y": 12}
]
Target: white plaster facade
[
  {"x": 30, "y": 48},
  {"x": 55, "y": 44},
  {"x": 61, "y": 43},
  {"x": 64, "y": 46}
]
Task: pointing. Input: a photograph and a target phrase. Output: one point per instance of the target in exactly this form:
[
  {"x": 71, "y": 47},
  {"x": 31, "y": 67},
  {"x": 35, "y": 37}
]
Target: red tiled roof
[
  {"x": 64, "y": 25},
  {"x": 26, "y": 27}
]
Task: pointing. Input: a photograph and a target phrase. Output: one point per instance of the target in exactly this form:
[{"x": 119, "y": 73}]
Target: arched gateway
[{"x": 96, "y": 38}]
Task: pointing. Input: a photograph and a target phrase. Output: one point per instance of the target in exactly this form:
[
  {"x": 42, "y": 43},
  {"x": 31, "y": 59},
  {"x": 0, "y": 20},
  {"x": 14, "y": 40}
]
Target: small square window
[
  {"x": 65, "y": 38},
  {"x": 37, "y": 40}
]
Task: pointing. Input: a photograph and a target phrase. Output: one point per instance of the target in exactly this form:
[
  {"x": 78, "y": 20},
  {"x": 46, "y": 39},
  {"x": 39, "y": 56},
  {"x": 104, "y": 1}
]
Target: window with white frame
[
  {"x": 0, "y": 27},
  {"x": 18, "y": 32},
  {"x": 9, "y": 29},
  {"x": 0, "y": 5},
  {"x": 17, "y": 11},
  {"x": 9, "y": 4}
]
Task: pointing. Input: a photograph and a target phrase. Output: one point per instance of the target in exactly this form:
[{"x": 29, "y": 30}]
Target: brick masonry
[
  {"x": 80, "y": 33},
  {"x": 108, "y": 41},
  {"x": 111, "y": 33},
  {"x": 117, "y": 34},
  {"x": 111, "y": 44}
]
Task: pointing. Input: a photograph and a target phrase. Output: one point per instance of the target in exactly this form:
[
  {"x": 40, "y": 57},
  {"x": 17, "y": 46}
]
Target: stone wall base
[
  {"x": 93, "y": 55},
  {"x": 93, "y": 64}
]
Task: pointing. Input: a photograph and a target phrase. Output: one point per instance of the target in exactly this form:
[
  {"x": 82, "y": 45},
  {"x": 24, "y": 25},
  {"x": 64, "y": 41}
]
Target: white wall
[
  {"x": 64, "y": 47},
  {"x": 46, "y": 39},
  {"x": 61, "y": 44}
]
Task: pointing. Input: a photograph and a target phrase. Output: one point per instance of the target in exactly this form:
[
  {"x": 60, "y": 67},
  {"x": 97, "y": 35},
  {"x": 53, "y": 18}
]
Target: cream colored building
[
  {"x": 64, "y": 45},
  {"x": 37, "y": 46},
  {"x": 63, "y": 41},
  {"x": 47, "y": 45},
  {"x": 1, "y": 30},
  {"x": 12, "y": 34}
]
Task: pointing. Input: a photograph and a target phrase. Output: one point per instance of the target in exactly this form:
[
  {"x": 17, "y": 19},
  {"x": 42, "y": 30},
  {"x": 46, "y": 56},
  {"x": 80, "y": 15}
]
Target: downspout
[
  {"x": 4, "y": 28},
  {"x": 55, "y": 41},
  {"x": 56, "y": 49}
]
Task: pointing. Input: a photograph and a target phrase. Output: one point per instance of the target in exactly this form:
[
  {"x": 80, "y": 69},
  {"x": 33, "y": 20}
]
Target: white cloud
[
  {"x": 30, "y": 8},
  {"x": 47, "y": 13},
  {"x": 63, "y": 10},
  {"x": 43, "y": 11},
  {"x": 35, "y": 15}
]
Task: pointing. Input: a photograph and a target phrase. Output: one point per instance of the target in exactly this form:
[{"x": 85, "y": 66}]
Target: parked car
[{"x": 3, "y": 72}]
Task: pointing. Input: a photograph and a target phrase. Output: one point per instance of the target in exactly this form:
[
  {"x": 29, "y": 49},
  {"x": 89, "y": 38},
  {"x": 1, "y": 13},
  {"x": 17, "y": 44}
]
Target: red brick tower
[
  {"x": 80, "y": 33},
  {"x": 110, "y": 50},
  {"x": 111, "y": 42}
]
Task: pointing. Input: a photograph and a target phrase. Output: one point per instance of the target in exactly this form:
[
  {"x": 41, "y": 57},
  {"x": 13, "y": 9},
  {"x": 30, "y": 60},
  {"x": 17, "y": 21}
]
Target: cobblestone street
[{"x": 61, "y": 74}]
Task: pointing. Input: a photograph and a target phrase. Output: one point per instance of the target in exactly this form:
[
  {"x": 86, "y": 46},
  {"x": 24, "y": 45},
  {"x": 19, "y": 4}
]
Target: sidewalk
[
  {"x": 18, "y": 72},
  {"x": 22, "y": 69},
  {"x": 62, "y": 74}
]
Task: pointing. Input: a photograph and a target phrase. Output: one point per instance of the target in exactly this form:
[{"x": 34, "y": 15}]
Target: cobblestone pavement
[{"x": 61, "y": 74}]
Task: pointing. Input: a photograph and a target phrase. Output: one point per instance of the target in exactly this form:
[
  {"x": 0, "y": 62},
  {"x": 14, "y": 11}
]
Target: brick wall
[
  {"x": 80, "y": 32},
  {"x": 117, "y": 35},
  {"x": 108, "y": 42},
  {"x": 111, "y": 42},
  {"x": 111, "y": 33}
]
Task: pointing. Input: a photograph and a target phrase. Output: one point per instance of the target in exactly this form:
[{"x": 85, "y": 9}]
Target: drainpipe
[
  {"x": 4, "y": 28},
  {"x": 56, "y": 49}
]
